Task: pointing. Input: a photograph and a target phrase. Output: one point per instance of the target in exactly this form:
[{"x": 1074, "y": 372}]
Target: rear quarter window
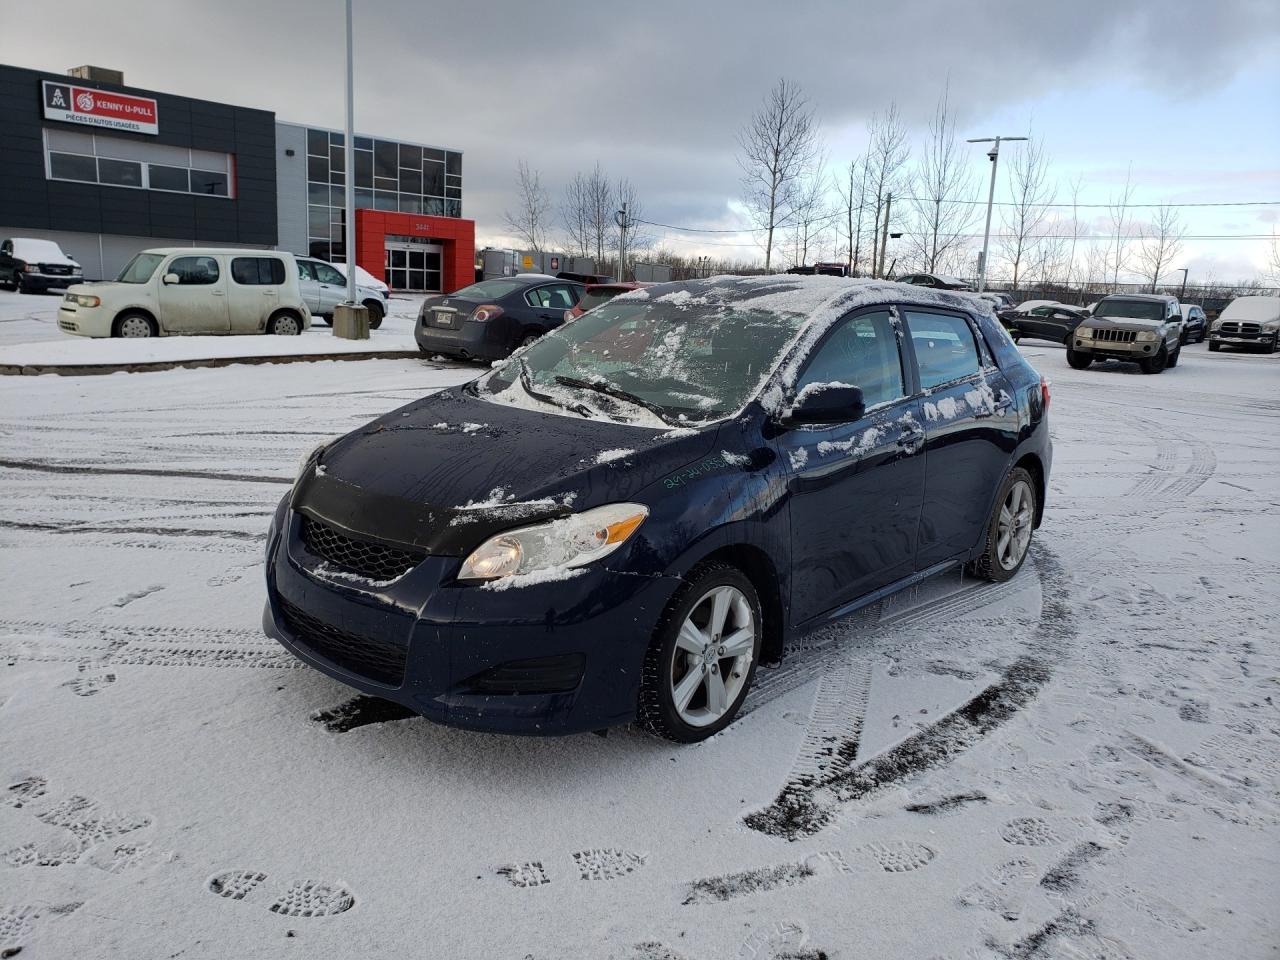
[{"x": 257, "y": 271}]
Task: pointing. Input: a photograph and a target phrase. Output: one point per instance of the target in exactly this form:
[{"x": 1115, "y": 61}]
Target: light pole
[
  {"x": 620, "y": 218},
  {"x": 994, "y": 156},
  {"x": 350, "y": 319},
  {"x": 1182, "y": 291}
]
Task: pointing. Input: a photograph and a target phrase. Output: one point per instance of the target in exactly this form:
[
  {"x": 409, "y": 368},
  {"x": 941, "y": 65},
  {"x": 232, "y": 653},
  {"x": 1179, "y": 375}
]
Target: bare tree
[
  {"x": 1273, "y": 257},
  {"x": 1077, "y": 230},
  {"x": 587, "y": 213},
  {"x": 1121, "y": 228},
  {"x": 775, "y": 148},
  {"x": 1024, "y": 217},
  {"x": 939, "y": 208},
  {"x": 852, "y": 188},
  {"x": 811, "y": 215},
  {"x": 886, "y": 156},
  {"x": 530, "y": 218},
  {"x": 1160, "y": 244}
]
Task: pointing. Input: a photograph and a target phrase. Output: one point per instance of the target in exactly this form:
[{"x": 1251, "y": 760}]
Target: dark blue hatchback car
[{"x": 625, "y": 518}]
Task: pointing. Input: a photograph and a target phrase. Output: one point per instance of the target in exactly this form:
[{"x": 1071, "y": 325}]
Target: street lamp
[
  {"x": 1182, "y": 291},
  {"x": 350, "y": 318},
  {"x": 994, "y": 156}
]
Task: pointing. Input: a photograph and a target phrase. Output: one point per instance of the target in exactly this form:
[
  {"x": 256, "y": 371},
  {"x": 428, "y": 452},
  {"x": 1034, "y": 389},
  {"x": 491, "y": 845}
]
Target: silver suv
[{"x": 1141, "y": 328}]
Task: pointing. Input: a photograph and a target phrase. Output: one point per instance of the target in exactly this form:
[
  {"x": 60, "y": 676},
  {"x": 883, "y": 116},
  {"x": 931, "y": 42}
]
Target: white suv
[
  {"x": 324, "y": 287},
  {"x": 182, "y": 290}
]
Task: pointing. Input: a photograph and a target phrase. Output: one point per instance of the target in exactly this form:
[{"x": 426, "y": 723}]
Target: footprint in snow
[
  {"x": 302, "y": 898},
  {"x": 601, "y": 863}
]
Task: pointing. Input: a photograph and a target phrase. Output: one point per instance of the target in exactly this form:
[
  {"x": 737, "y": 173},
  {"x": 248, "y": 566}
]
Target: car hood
[
  {"x": 102, "y": 287},
  {"x": 444, "y": 472}
]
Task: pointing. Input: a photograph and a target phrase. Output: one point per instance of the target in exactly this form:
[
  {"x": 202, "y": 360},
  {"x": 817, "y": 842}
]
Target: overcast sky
[{"x": 1185, "y": 91}]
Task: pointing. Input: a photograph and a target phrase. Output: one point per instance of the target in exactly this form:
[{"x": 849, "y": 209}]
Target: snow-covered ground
[
  {"x": 1082, "y": 763},
  {"x": 29, "y": 336}
]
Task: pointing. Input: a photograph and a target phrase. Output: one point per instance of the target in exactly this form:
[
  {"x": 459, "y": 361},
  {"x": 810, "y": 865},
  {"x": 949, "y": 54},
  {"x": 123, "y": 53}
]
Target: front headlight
[
  {"x": 558, "y": 544},
  {"x": 1085, "y": 333},
  {"x": 84, "y": 300},
  {"x": 1146, "y": 336},
  {"x": 1271, "y": 327}
]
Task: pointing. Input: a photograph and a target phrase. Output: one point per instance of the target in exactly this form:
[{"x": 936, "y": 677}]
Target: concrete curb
[{"x": 89, "y": 370}]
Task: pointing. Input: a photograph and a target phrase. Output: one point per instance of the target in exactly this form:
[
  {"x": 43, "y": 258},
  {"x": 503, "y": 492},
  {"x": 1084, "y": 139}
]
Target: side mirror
[
  {"x": 170, "y": 278},
  {"x": 827, "y": 403}
]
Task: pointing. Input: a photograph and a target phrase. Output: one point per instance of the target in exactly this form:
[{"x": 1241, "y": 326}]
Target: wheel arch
[{"x": 287, "y": 312}]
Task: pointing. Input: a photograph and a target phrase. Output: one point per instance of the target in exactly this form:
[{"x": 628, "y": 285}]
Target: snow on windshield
[{"x": 38, "y": 251}]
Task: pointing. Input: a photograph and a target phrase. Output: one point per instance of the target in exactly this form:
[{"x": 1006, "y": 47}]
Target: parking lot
[{"x": 1081, "y": 762}]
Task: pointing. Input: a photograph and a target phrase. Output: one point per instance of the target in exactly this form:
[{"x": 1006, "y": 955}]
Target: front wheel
[
  {"x": 1214, "y": 347},
  {"x": 1271, "y": 347},
  {"x": 21, "y": 285},
  {"x": 375, "y": 314},
  {"x": 1077, "y": 360},
  {"x": 1157, "y": 363},
  {"x": 702, "y": 657},
  {"x": 1009, "y": 529}
]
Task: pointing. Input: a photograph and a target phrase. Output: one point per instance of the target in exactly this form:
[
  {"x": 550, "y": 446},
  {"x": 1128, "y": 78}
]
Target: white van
[{"x": 184, "y": 290}]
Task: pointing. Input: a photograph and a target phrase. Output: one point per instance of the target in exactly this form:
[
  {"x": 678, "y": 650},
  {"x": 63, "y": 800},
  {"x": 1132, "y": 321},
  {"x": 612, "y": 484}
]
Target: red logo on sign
[{"x": 99, "y": 103}]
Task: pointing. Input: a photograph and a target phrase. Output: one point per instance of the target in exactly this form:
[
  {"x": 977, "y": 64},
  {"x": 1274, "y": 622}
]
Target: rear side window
[
  {"x": 944, "y": 346},
  {"x": 327, "y": 274},
  {"x": 257, "y": 271},
  {"x": 555, "y": 297},
  {"x": 195, "y": 271}
]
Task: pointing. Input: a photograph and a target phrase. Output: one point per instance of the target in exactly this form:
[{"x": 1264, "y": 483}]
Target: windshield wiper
[
  {"x": 611, "y": 390},
  {"x": 526, "y": 381}
]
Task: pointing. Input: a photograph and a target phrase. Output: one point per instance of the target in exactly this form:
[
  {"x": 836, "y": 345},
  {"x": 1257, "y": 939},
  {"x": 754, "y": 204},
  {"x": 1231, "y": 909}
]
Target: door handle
[
  {"x": 1002, "y": 404},
  {"x": 217, "y": 293},
  {"x": 910, "y": 437}
]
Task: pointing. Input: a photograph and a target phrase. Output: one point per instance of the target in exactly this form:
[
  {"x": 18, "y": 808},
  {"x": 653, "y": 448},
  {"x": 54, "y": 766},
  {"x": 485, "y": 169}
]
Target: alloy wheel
[
  {"x": 1013, "y": 531},
  {"x": 286, "y": 326},
  {"x": 712, "y": 657}
]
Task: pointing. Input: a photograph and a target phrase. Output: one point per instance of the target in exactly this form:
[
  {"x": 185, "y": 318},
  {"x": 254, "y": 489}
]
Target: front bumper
[
  {"x": 495, "y": 660},
  {"x": 83, "y": 321},
  {"x": 49, "y": 281},
  {"x": 1116, "y": 350},
  {"x": 1244, "y": 339}
]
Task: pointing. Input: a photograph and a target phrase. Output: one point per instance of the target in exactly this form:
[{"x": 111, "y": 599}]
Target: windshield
[
  {"x": 140, "y": 268},
  {"x": 649, "y": 362},
  {"x": 1130, "y": 309},
  {"x": 489, "y": 289}
]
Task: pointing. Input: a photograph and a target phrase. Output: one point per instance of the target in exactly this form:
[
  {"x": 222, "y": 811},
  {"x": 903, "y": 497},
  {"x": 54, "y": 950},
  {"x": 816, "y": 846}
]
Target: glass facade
[{"x": 388, "y": 175}]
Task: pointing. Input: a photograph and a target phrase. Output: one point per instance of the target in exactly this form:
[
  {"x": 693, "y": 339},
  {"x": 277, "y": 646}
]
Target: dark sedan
[
  {"x": 1044, "y": 321},
  {"x": 588, "y": 535},
  {"x": 490, "y": 319}
]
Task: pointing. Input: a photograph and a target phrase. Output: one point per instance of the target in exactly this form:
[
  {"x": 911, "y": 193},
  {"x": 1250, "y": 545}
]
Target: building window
[{"x": 94, "y": 158}]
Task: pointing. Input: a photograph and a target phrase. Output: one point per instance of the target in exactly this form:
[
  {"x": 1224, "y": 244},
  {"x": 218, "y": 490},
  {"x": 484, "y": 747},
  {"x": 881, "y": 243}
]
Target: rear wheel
[
  {"x": 327, "y": 321},
  {"x": 1157, "y": 363},
  {"x": 9, "y": 284},
  {"x": 284, "y": 324},
  {"x": 702, "y": 657},
  {"x": 1077, "y": 360},
  {"x": 1009, "y": 529},
  {"x": 1175, "y": 356}
]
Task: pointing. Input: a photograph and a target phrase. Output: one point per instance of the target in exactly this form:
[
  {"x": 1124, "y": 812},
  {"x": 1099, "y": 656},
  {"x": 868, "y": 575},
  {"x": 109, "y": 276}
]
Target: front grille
[
  {"x": 376, "y": 561},
  {"x": 68, "y": 326},
  {"x": 1236, "y": 326},
  {"x": 1114, "y": 336},
  {"x": 371, "y": 657},
  {"x": 55, "y": 270}
]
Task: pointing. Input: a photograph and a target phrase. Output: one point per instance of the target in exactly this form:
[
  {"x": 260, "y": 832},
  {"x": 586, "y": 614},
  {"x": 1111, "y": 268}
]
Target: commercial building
[{"x": 107, "y": 170}]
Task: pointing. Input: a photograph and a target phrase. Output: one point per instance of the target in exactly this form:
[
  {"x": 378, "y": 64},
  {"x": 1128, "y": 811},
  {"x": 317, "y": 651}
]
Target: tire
[
  {"x": 284, "y": 324},
  {"x": 375, "y": 314},
  {"x": 9, "y": 284},
  {"x": 1182, "y": 338},
  {"x": 327, "y": 321},
  {"x": 1215, "y": 347},
  {"x": 530, "y": 339},
  {"x": 134, "y": 325},
  {"x": 1077, "y": 360},
  {"x": 1271, "y": 347},
  {"x": 1015, "y": 336},
  {"x": 21, "y": 285},
  {"x": 1001, "y": 561},
  {"x": 1175, "y": 356},
  {"x": 673, "y": 672},
  {"x": 1157, "y": 363}
]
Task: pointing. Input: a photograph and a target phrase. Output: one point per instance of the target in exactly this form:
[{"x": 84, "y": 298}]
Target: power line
[{"x": 1045, "y": 236}]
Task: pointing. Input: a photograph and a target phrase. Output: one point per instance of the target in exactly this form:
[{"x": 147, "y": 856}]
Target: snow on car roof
[{"x": 1259, "y": 309}]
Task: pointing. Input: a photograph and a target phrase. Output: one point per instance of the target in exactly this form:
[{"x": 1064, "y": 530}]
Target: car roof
[
  {"x": 1148, "y": 297},
  {"x": 203, "y": 251},
  {"x": 619, "y": 285},
  {"x": 536, "y": 277}
]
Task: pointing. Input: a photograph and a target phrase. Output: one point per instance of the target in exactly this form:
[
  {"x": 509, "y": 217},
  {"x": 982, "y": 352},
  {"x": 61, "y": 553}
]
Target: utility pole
[
  {"x": 994, "y": 156},
  {"x": 350, "y": 319},
  {"x": 1182, "y": 291},
  {"x": 620, "y": 218},
  {"x": 884, "y": 236}
]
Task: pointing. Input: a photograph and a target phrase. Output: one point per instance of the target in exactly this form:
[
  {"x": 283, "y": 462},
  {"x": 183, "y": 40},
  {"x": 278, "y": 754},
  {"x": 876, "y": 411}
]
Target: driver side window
[{"x": 861, "y": 351}]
